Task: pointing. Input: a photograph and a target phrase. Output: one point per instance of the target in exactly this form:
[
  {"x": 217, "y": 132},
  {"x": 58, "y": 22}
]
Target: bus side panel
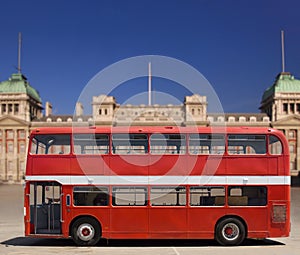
[
  {"x": 128, "y": 165},
  {"x": 206, "y": 165},
  {"x": 168, "y": 222},
  {"x": 279, "y": 210},
  {"x": 276, "y": 165},
  {"x": 88, "y": 165},
  {"x": 50, "y": 165},
  {"x": 247, "y": 165},
  {"x": 129, "y": 222},
  {"x": 27, "y": 209},
  {"x": 167, "y": 165}
]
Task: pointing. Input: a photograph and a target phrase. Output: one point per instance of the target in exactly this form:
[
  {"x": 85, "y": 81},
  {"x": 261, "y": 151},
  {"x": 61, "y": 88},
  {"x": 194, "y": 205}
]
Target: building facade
[
  {"x": 20, "y": 104},
  {"x": 21, "y": 111},
  {"x": 281, "y": 102}
]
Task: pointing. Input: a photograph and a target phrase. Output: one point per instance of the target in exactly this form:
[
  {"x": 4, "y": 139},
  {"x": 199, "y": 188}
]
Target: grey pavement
[{"x": 13, "y": 242}]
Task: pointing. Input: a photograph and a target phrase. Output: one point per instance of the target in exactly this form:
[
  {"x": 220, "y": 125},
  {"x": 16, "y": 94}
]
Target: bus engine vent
[{"x": 279, "y": 214}]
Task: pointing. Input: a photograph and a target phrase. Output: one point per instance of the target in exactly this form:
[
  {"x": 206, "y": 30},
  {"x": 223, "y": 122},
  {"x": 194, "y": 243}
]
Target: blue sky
[{"x": 234, "y": 44}]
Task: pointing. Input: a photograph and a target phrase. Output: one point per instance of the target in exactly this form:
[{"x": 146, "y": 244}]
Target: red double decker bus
[{"x": 226, "y": 184}]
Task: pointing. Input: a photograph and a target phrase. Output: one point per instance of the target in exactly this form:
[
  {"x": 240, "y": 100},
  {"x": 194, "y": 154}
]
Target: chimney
[
  {"x": 79, "y": 109},
  {"x": 48, "y": 109}
]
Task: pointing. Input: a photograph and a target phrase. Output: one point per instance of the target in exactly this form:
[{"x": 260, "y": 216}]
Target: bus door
[{"x": 45, "y": 208}]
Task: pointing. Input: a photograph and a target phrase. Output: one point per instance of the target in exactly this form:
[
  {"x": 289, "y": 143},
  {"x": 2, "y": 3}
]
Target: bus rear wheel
[
  {"x": 230, "y": 231},
  {"x": 86, "y": 231}
]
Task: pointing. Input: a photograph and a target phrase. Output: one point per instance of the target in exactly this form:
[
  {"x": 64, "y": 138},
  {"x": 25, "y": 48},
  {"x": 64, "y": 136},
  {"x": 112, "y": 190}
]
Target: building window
[
  {"x": 220, "y": 119},
  {"x": 10, "y": 147},
  {"x": 22, "y": 148},
  {"x": 298, "y": 108},
  {"x": 285, "y": 108},
  {"x": 292, "y": 107},
  {"x": 9, "y": 134},
  {"x": 266, "y": 119},
  {"x": 292, "y": 134},
  {"x": 292, "y": 165},
  {"x": 16, "y": 108},
  {"x": 10, "y": 166},
  {"x": 292, "y": 148},
  {"x": 21, "y": 134},
  {"x": 231, "y": 119},
  {"x": 242, "y": 119},
  {"x": 10, "y": 108},
  {"x": 3, "y": 108}
]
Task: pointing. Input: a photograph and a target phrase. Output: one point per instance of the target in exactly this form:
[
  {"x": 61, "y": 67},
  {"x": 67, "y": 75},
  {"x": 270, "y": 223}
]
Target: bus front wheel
[
  {"x": 86, "y": 231},
  {"x": 230, "y": 231}
]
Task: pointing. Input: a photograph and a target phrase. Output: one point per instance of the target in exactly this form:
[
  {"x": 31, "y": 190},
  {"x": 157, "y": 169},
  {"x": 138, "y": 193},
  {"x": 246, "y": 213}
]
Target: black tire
[
  {"x": 230, "y": 231},
  {"x": 86, "y": 231}
]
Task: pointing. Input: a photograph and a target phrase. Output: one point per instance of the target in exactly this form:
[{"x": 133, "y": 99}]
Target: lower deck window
[
  {"x": 90, "y": 196},
  {"x": 207, "y": 196},
  {"x": 168, "y": 196},
  {"x": 247, "y": 196},
  {"x": 130, "y": 196}
]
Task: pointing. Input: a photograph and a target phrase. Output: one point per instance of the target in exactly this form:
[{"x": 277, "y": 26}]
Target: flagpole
[
  {"x": 149, "y": 84},
  {"x": 282, "y": 51}
]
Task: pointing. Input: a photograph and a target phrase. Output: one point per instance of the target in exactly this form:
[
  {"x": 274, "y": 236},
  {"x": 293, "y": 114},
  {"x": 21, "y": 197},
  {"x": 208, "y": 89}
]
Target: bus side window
[
  {"x": 207, "y": 196},
  {"x": 51, "y": 144},
  {"x": 247, "y": 196},
  {"x": 168, "y": 196},
  {"x": 275, "y": 146},
  {"x": 90, "y": 196},
  {"x": 167, "y": 144},
  {"x": 37, "y": 147},
  {"x": 91, "y": 144},
  {"x": 246, "y": 144},
  {"x": 129, "y": 144},
  {"x": 129, "y": 196}
]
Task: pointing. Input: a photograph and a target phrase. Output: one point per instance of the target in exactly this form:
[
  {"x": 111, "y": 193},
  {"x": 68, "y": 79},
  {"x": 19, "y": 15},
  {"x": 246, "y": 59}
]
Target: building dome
[
  {"x": 18, "y": 83},
  {"x": 285, "y": 82}
]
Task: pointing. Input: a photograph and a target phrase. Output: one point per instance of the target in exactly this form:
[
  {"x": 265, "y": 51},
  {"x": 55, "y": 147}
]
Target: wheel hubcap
[
  {"x": 85, "y": 232},
  {"x": 230, "y": 231}
]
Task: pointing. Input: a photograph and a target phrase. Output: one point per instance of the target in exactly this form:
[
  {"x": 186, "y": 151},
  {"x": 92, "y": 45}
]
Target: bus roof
[{"x": 154, "y": 129}]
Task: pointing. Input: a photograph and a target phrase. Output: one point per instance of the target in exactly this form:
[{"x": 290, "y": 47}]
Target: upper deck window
[
  {"x": 247, "y": 144},
  {"x": 129, "y": 144},
  {"x": 275, "y": 146},
  {"x": 206, "y": 144},
  {"x": 50, "y": 144},
  {"x": 91, "y": 144},
  {"x": 167, "y": 144}
]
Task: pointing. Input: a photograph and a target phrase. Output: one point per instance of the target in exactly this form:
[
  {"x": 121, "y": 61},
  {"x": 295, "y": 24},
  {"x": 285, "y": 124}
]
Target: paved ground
[{"x": 13, "y": 242}]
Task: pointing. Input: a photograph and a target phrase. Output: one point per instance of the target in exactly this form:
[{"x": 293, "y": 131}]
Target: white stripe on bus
[{"x": 163, "y": 180}]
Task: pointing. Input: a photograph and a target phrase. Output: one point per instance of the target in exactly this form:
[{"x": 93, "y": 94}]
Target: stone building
[
  {"x": 20, "y": 104},
  {"x": 21, "y": 110},
  {"x": 281, "y": 102}
]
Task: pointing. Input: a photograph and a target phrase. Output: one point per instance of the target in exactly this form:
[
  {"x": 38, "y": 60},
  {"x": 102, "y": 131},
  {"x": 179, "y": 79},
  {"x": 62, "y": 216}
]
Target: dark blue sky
[{"x": 234, "y": 44}]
